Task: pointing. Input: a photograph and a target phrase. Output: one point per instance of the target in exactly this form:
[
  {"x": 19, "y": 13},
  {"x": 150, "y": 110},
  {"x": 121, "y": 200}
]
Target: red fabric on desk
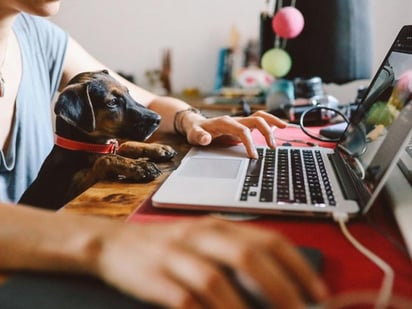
[
  {"x": 345, "y": 269},
  {"x": 294, "y": 135}
]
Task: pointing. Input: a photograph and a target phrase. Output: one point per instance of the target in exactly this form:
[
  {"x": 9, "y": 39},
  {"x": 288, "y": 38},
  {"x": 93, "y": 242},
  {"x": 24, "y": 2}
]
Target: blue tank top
[{"x": 43, "y": 47}]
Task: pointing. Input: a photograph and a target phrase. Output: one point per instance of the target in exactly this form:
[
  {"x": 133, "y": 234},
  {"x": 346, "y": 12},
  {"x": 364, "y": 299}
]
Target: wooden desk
[{"x": 118, "y": 200}]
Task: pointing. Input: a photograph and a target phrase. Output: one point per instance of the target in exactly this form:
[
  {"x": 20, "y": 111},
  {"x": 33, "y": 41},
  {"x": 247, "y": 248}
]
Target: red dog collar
[{"x": 111, "y": 145}]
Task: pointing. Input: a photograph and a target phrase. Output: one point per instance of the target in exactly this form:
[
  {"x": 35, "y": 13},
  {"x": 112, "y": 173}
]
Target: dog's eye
[{"x": 113, "y": 102}]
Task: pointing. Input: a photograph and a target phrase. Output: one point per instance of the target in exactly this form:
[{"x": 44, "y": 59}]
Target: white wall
[
  {"x": 129, "y": 35},
  {"x": 388, "y": 18}
]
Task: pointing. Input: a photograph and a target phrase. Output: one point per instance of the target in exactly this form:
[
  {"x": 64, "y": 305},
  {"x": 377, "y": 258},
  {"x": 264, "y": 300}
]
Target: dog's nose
[{"x": 156, "y": 120}]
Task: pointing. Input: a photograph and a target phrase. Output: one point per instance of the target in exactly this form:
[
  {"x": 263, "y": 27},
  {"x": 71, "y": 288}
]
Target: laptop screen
[{"x": 383, "y": 120}]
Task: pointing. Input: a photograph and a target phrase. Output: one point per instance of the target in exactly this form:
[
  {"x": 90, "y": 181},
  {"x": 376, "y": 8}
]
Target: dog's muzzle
[{"x": 145, "y": 127}]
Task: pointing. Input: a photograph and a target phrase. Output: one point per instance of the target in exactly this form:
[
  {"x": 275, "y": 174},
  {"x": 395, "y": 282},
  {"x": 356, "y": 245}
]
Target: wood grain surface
[{"x": 117, "y": 200}]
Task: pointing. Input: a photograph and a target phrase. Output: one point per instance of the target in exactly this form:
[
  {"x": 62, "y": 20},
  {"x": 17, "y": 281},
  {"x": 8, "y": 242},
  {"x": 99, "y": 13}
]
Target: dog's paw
[
  {"x": 121, "y": 168},
  {"x": 142, "y": 171},
  {"x": 153, "y": 151}
]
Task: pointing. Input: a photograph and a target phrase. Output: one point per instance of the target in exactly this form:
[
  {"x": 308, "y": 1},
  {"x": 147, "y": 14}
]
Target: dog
[{"x": 100, "y": 134}]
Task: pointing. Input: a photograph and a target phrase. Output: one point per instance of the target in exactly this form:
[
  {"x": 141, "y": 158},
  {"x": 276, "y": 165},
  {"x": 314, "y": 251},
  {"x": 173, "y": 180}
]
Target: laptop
[
  {"x": 405, "y": 161},
  {"x": 398, "y": 192},
  {"x": 311, "y": 181}
]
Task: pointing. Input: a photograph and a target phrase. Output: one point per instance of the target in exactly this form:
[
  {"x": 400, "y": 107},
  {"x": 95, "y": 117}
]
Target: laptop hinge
[{"x": 351, "y": 184}]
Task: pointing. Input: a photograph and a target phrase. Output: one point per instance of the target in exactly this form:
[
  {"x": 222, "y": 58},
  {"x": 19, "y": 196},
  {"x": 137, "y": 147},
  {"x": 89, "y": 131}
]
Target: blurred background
[{"x": 132, "y": 36}]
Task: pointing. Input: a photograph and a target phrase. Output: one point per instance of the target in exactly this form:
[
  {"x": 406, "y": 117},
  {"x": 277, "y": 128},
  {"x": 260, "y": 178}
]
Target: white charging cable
[{"x": 385, "y": 291}]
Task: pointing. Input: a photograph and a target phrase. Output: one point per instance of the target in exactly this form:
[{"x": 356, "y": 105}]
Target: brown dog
[{"x": 94, "y": 113}]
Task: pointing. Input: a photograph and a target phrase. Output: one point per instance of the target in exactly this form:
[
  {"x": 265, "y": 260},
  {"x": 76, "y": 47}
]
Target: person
[{"x": 186, "y": 257}]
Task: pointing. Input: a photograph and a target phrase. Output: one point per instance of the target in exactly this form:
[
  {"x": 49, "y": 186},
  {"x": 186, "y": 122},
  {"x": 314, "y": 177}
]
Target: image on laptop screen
[{"x": 383, "y": 120}]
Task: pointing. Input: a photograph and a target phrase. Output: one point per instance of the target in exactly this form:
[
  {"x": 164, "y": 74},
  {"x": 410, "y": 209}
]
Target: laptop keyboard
[{"x": 299, "y": 175}]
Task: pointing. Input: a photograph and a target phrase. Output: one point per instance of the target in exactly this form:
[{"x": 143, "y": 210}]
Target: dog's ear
[{"x": 75, "y": 107}]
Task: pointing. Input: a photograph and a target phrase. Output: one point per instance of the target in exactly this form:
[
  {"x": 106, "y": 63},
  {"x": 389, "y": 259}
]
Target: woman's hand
[
  {"x": 182, "y": 264},
  {"x": 201, "y": 131}
]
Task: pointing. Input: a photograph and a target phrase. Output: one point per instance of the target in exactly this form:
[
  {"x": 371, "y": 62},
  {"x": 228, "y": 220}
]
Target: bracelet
[{"x": 178, "y": 119}]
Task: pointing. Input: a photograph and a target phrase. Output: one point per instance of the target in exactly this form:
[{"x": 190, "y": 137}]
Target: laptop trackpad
[{"x": 211, "y": 168}]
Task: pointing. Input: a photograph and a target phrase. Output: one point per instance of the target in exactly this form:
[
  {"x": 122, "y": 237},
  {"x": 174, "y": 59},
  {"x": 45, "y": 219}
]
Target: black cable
[{"x": 320, "y": 138}]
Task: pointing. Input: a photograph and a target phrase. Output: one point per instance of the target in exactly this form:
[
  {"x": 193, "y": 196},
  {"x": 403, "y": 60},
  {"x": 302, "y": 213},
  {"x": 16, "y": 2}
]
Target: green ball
[{"x": 276, "y": 62}]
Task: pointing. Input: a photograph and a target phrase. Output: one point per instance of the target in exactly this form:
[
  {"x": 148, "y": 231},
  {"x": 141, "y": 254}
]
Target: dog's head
[{"x": 98, "y": 105}]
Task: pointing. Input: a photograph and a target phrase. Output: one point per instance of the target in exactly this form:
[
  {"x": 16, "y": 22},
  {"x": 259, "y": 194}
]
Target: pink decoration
[
  {"x": 288, "y": 22},
  {"x": 405, "y": 81},
  {"x": 254, "y": 78}
]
